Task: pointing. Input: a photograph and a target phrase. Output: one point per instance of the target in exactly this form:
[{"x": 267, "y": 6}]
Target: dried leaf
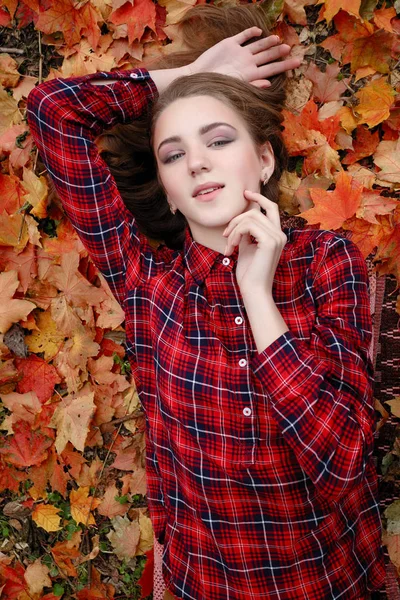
[{"x": 47, "y": 516}]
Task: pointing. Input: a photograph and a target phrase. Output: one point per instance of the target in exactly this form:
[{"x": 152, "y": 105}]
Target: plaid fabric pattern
[{"x": 261, "y": 482}]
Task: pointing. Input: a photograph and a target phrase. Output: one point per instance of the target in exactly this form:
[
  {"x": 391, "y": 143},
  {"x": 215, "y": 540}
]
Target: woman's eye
[
  {"x": 172, "y": 158},
  {"x": 223, "y": 142}
]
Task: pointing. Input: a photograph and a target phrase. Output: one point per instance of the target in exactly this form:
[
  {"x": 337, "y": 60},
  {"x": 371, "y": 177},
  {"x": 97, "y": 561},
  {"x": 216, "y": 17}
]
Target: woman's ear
[{"x": 267, "y": 158}]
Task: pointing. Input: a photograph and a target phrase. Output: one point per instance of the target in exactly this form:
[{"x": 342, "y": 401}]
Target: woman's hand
[
  {"x": 253, "y": 63},
  {"x": 257, "y": 262}
]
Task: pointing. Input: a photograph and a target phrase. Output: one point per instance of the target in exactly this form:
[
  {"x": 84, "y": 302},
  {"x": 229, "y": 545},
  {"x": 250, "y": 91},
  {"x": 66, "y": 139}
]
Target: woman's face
[{"x": 201, "y": 140}]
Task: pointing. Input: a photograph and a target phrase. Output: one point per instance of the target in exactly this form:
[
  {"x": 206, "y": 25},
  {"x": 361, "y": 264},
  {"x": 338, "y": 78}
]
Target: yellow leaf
[
  {"x": 37, "y": 191},
  {"x": 146, "y": 535},
  {"x": 71, "y": 419},
  {"x": 9, "y": 75},
  {"x": 82, "y": 504},
  {"x": 37, "y": 577},
  {"x": 47, "y": 517},
  {"x": 48, "y": 339},
  {"x": 9, "y": 112},
  {"x": 375, "y": 100},
  {"x": 347, "y": 119}
]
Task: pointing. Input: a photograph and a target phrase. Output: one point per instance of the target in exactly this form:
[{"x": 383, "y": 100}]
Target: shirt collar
[{"x": 200, "y": 260}]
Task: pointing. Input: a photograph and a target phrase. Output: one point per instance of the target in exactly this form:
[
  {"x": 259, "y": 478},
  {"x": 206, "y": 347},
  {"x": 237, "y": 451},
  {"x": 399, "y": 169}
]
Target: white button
[
  {"x": 242, "y": 362},
  {"x": 247, "y": 411},
  {"x": 226, "y": 261},
  {"x": 134, "y": 75},
  {"x": 238, "y": 320}
]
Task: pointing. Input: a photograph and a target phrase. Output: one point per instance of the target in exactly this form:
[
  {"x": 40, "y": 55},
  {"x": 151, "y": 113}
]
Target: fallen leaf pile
[{"x": 74, "y": 521}]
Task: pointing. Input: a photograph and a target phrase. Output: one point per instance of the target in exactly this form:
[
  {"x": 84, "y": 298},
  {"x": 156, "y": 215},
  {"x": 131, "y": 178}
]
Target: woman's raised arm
[{"x": 65, "y": 117}]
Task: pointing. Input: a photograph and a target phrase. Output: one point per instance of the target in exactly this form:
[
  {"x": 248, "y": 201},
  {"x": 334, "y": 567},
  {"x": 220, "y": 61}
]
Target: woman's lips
[{"x": 208, "y": 197}]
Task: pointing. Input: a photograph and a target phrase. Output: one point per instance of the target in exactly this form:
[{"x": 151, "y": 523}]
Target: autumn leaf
[
  {"x": 23, "y": 407},
  {"x": 9, "y": 111},
  {"x": 137, "y": 16},
  {"x": 11, "y": 310},
  {"x": 36, "y": 193},
  {"x": 9, "y": 75},
  {"x": 331, "y": 209},
  {"x": 47, "y": 516},
  {"x": 71, "y": 419},
  {"x": 146, "y": 534},
  {"x": 372, "y": 204},
  {"x": 375, "y": 100},
  {"x": 38, "y": 376},
  {"x": 109, "y": 506},
  {"x": 326, "y": 85},
  {"x": 67, "y": 551},
  {"x": 65, "y": 17},
  {"x": 332, "y": 7},
  {"x": 365, "y": 144},
  {"x": 373, "y": 52},
  {"x": 82, "y": 504},
  {"x": 37, "y": 576},
  {"x": 383, "y": 17},
  {"x": 74, "y": 286},
  {"x": 124, "y": 537},
  {"x": 26, "y": 447},
  {"x": 10, "y": 186},
  {"x": 387, "y": 158},
  {"x": 48, "y": 339}
]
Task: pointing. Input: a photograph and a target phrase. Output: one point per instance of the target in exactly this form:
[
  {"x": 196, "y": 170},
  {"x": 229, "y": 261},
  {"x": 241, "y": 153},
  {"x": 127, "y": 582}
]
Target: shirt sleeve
[
  {"x": 321, "y": 390},
  {"x": 155, "y": 498},
  {"x": 65, "y": 116}
]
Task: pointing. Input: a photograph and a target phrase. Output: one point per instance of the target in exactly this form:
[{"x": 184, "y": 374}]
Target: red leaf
[{"x": 38, "y": 376}]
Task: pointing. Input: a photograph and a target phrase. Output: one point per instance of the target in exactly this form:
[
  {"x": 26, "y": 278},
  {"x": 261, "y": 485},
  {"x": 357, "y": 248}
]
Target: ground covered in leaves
[{"x": 74, "y": 521}]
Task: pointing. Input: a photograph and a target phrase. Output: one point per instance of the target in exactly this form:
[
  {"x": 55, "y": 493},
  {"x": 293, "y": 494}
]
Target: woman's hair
[{"x": 127, "y": 149}]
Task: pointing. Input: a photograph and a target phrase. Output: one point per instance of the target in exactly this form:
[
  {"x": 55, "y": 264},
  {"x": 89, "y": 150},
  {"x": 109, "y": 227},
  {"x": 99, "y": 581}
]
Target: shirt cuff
[{"x": 287, "y": 367}]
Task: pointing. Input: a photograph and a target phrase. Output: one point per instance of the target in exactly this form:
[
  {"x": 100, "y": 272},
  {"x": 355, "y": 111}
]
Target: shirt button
[
  {"x": 134, "y": 75},
  {"x": 242, "y": 362},
  {"x": 247, "y": 411},
  {"x": 238, "y": 320},
  {"x": 226, "y": 261}
]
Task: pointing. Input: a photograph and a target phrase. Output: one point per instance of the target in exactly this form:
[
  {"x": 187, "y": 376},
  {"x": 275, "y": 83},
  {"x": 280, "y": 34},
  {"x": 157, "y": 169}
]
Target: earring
[
  {"x": 265, "y": 180},
  {"x": 173, "y": 210}
]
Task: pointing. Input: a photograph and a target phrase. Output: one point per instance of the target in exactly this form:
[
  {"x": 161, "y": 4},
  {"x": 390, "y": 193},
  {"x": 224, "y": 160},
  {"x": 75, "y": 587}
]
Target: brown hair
[{"x": 127, "y": 148}]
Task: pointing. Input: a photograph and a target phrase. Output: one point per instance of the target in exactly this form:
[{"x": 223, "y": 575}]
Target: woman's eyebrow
[{"x": 202, "y": 131}]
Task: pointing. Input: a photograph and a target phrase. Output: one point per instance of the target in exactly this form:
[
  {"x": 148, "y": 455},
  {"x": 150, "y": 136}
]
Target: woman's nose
[{"x": 198, "y": 161}]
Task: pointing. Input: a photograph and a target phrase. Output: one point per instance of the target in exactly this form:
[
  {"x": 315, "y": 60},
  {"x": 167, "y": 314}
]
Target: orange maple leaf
[
  {"x": 332, "y": 7},
  {"x": 137, "y": 17},
  {"x": 65, "y": 552},
  {"x": 373, "y": 51},
  {"x": 364, "y": 145},
  {"x": 27, "y": 447},
  {"x": 375, "y": 100},
  {"x": 72, "y": 22},
  {"x": 331, "y": 209},
  {"x": 82, "y": 504},
  {"x": 383, "y": 17}
]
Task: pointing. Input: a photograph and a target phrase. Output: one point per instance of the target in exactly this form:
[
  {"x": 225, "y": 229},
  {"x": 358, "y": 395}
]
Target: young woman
[{"x": 248, "y": 344}]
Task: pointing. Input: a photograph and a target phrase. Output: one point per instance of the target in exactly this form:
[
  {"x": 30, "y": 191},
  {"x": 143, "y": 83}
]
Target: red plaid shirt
[{"x": 261, "y": 480}]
